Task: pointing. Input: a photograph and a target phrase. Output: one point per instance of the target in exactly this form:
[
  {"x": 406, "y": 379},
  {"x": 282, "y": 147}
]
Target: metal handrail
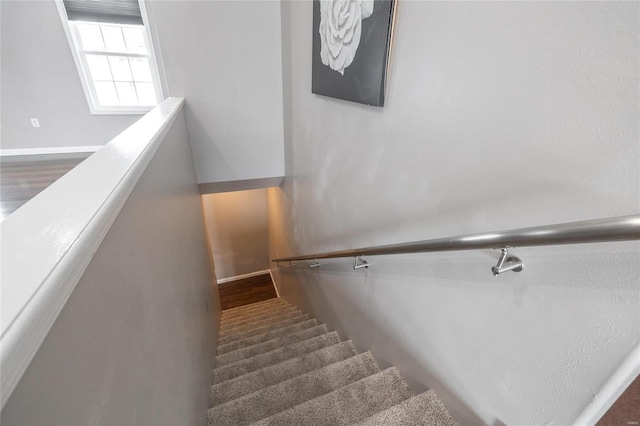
[{"x": 623, "y": 228}]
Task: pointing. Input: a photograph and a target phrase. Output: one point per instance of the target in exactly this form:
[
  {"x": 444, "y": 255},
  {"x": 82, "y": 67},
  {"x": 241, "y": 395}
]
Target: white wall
[
  {"x": 499, "y": 115},
  {"x": 39, "y": 79},
  {"x": 237, "y": 227},
  {"x": 224, "y": 57},
  {"x": 135, "y": 341}
]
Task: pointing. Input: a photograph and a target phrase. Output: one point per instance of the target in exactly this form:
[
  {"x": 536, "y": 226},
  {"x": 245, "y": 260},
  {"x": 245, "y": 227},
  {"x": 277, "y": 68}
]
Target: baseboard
[
  {"x": 273, "y": 281},
  {"x": 240, "y": 277},
  {"x": 612, "y": 389},
  {"x": 47, "y": 151}
]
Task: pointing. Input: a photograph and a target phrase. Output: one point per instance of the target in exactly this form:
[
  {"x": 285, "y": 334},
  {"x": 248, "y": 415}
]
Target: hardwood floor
[
  {"x": 24, "y": 177},
  {"x": 626, "y": 410},
  {"x": 246, "y": 291}
]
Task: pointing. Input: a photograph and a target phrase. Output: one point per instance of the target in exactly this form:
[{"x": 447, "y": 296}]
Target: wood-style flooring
[
  {"x": 626, "y": 410},
  {"x": 246, "y": 291},
  {"x": 24, "y": 177}
]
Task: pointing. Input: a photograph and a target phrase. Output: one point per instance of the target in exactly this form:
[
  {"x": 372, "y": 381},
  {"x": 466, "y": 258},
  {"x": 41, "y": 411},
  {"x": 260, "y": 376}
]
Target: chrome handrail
[{"x": 623, "y": 228}]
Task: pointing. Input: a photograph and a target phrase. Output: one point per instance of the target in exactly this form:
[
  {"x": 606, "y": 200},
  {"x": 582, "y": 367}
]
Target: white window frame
[{"x": 83, "y": 69}]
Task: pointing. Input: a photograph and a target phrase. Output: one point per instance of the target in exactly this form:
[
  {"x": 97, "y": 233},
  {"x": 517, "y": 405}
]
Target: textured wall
[
  {"x": 237, "y": 229},
  {"x": 499, "y": 115},
  {"x": 224, "y": 58},
  {"x": 40, "y": 80},
  {"x": 134, "y": 342}
]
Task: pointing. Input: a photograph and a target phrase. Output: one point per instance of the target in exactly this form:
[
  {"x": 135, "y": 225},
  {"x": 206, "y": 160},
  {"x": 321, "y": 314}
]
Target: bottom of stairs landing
[{"x": 277, "y": 366}]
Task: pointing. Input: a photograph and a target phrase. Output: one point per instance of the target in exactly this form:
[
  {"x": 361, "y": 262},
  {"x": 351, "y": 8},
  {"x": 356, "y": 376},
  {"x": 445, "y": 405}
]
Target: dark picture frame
[{"x": 343, "y": 68}]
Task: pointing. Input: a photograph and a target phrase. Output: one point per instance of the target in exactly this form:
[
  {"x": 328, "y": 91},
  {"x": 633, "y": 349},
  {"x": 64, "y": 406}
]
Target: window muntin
[{"x": 116, "y": 65}]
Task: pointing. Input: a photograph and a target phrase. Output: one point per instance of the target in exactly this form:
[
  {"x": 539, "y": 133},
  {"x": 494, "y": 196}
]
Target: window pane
[
  {"x": 120, "y": 68},
  {"x": 90, "y": 37},
  {"x": 127, "y": 93},
  {"x": 106, "y": 92},
  {"x": 146, "y": 94},
  {"x": 113, "y": 39},
  {"x": 135, "y": 40},
  {"x": 140, "y": 69},
  {"x": 99, "y": 67}
]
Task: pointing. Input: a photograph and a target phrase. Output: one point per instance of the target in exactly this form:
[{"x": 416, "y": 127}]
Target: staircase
[{"x": 277, "y": 366}]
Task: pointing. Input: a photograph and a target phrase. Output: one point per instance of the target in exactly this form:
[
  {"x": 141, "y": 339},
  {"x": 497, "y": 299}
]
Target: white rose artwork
[{"x": 340, "y": 30}]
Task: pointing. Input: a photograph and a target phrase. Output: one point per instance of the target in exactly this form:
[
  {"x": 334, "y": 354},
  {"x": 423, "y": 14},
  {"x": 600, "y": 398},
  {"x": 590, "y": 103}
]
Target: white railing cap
[{"x": 48, "y": 242}]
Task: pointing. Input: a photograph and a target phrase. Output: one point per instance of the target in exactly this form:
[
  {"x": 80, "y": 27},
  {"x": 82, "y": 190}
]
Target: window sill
[{"x": 120, "y": 111}]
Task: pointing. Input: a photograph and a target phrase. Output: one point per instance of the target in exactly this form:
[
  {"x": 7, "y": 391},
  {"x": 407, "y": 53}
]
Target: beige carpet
[{"x": 277, "y": 366}]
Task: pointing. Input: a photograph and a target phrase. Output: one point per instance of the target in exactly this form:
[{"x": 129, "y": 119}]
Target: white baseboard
[
  {"x": 45, "y": 151},
  {"x": 249, "y": 275},
  {"x": 612, "y": 389},
  {"x": 274, "y": 284}
]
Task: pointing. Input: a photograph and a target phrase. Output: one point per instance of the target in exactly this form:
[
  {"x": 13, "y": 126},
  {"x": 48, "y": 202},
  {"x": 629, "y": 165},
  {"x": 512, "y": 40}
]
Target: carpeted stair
[{"x": 276, "y": 366}]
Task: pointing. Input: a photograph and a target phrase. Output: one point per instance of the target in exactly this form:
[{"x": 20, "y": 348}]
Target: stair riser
[
  {"x": 240, "y": 322},
  {"x": 252, "y": 310},
  {"x": 252, "y": 315},
  {"x": 270, "y": 345},
  {"x": 268, "y": 335},
  {"x": 259, "y": 324},
  {"x": 347, "y": 405},
  {"x": 278, "y": 367},
  {"x": 255, "y": 314},
  {"x": 297, "y": 390},
  {"x": 260, "y": 303},
  {"x": 281, "y": 372},
  {"x": 237, "y": 369},
  {"x": 425, "y": 409}
]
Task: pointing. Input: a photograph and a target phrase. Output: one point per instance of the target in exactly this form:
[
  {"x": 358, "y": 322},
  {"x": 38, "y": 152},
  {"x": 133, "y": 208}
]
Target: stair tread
[
  {"x": 254, "y": 309},
  {"x": 248, "y": 365},
  {"x": 266, "y": 328},
  {"x": 227, "y": 313},
  {"x": 347, "y": 405},
  {"x": 253, "y": 315},
  {"x": 283, "y": 329},
  {"x": 270, "y": 345},
  {"x": 267, "y": 316},
  {"x": 425, "y": 409},
  {"x": 257, "y": 314},
  {"x": 260, "y": 303},
  {"x": 280, "y": 372},
  {"x": 277, "y": 366},
  {"x": 282, "y": 396}
]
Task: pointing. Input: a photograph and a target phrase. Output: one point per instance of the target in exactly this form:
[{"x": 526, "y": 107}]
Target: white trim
[
  {"x": 240, "y": 277},
  {"x": 52, "y": 238},
  {"x": 47, "y": 151},
  {"x": 612, "y": 389},
  {"x": 74, "y": 53},
  {"x": 83, "y": 69},
  {"x": 273, "y": 281},
  {"x": 158, "y": 70}
]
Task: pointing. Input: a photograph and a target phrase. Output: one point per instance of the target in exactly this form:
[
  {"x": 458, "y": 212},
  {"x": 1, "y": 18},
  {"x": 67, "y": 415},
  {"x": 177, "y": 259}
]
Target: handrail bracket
[
  {"x": 360, "y": 263},
  {"x": 507, "y": 263}
]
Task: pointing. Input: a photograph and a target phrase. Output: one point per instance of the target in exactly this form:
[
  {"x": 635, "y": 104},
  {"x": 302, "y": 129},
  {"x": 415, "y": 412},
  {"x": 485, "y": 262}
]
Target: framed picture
[{"x": 351, "y": 43}]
